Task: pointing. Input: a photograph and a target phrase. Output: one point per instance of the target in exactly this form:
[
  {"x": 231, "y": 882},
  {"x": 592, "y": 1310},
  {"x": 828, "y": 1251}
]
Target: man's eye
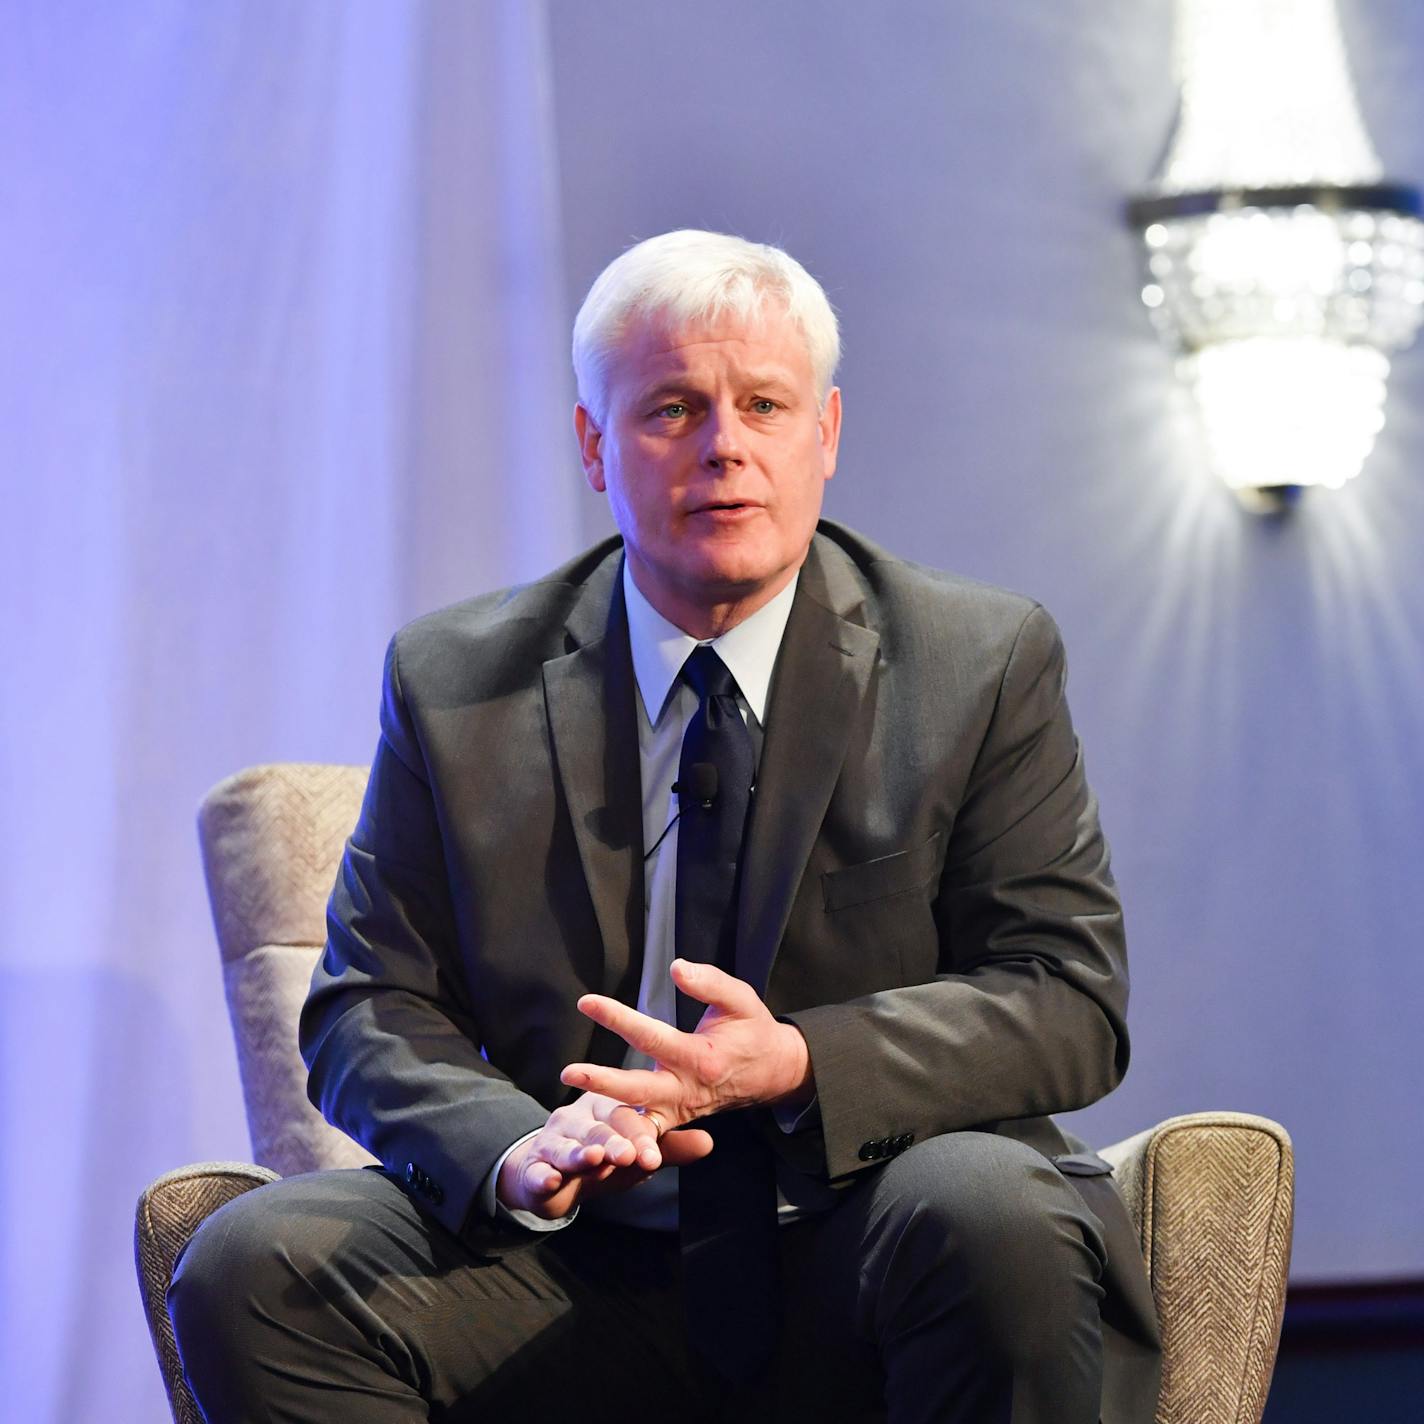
[
  {"x": 674, "y": 410},
  {"x": 764, "y": 406}
]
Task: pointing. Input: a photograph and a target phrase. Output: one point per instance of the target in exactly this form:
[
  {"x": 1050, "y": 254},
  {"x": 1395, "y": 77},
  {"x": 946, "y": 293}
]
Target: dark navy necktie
[
  {"x": 714, "y": 778},
  {"x": 727, "y": 1201}
]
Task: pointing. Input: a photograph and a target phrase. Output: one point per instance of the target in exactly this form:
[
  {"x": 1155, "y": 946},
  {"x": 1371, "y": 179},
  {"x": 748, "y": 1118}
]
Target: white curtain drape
[{"x": 283, "y": 365}]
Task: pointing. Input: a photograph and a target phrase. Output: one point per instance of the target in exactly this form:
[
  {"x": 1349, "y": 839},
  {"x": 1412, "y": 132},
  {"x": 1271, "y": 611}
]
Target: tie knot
[{"x": 707, "y": 675}]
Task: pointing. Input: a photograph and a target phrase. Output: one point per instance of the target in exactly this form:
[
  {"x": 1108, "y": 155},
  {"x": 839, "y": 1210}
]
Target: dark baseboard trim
[{"x": 1353, "y": 1315}]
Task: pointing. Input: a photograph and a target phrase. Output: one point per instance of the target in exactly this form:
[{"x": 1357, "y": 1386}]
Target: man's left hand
[{"x": 739, "y": 1056}]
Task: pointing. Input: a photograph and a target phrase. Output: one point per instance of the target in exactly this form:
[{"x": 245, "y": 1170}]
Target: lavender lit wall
[
  {"x": 283, "y": 365},
  {"x": 285, "y": 291}
]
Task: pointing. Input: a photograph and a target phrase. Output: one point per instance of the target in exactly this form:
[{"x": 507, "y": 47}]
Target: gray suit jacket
[{"x": 925, "y": 894}]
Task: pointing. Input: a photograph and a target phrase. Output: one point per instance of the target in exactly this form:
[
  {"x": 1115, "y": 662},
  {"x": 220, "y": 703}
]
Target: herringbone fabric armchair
[{"x": 1211, "y": 1192}]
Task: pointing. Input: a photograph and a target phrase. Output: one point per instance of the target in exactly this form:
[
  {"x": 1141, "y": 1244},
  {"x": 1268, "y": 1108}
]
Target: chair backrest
[{"x": 272, "y": 838}]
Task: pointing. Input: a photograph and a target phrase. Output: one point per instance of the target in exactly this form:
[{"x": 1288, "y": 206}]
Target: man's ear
[
  {"x": 590, "y": 439},
  {"x": 829, "y": 423}
]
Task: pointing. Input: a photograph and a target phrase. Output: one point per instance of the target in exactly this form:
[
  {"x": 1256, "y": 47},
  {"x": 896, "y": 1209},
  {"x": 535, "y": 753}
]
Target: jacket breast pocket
[{"x": 879, "y": 879}]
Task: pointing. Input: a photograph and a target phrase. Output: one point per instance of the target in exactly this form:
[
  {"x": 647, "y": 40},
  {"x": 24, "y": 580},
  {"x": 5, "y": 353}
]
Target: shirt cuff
[
  {"x": 495, "y": 1208},
  {"x": 791, "y": 1119}
]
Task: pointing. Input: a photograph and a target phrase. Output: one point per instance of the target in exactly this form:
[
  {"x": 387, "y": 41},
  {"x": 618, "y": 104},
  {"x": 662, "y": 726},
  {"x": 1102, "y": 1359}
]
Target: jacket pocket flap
[{"x": 881, "y": 878}]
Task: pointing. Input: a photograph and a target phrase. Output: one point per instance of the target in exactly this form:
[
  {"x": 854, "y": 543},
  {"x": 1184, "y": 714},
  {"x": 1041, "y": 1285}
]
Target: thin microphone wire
[
  {"x": 702, "y": 784},
  {"x": 664, "y": 835}
]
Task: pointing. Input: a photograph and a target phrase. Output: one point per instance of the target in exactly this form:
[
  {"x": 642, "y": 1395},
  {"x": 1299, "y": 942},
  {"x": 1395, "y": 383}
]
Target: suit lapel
[
  {"x": 820, "y": 685},
  {"x": 590, "y": 695},
  {"x": 822, "y": 678}
]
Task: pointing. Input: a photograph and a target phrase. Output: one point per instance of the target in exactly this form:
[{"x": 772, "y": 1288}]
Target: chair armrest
[
  {"x": 168, "y": 1213},
  {"x": 1213, "y": 1196}
]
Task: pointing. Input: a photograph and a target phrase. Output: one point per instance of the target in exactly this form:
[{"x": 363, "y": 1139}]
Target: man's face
[{"x": 714, "y": 457}]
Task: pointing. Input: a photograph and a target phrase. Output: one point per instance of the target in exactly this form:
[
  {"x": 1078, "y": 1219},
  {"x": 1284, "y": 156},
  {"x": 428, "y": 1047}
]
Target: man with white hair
[{"x": 726, "y": 914}]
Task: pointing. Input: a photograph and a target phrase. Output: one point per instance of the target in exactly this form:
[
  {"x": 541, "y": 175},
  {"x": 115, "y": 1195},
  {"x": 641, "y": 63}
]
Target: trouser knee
[
  {"x": 234, "y": 1259},
  {"x": 981, "y": 1221},
  {"x": 287, "y": 1268}
]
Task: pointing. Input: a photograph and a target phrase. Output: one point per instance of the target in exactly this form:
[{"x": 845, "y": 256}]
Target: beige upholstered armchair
[{"x": 1211, "y": 1192}]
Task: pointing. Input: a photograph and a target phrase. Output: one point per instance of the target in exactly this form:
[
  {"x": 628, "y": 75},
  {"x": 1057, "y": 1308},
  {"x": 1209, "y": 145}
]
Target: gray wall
[{"x": 1249, "y": 693}]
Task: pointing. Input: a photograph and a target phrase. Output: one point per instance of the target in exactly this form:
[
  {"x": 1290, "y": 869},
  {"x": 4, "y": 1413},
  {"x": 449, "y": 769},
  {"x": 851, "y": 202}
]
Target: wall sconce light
[{"x": 1281, "y": 267}]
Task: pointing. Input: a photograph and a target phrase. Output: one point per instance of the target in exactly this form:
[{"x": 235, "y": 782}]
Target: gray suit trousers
[{"x": 960, "y": 1282}]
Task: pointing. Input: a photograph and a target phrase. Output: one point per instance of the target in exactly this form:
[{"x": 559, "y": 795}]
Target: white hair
[{"x": 691, "y": 276}]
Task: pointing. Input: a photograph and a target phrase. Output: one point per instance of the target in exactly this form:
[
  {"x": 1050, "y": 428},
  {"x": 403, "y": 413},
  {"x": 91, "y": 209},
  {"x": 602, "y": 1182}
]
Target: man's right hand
[{"x": 590, "y": 1147}]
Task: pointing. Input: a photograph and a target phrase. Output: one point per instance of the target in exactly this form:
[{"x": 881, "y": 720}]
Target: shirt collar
[{"x": 660, "y": 648}]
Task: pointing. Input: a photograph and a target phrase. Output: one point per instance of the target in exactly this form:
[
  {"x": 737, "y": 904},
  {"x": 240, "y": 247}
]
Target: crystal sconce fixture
[{"x": 1282, "y": 268}]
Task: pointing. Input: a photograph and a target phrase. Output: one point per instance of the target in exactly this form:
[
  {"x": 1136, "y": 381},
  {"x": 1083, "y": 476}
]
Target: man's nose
[{"x": 722, "y": 439}]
